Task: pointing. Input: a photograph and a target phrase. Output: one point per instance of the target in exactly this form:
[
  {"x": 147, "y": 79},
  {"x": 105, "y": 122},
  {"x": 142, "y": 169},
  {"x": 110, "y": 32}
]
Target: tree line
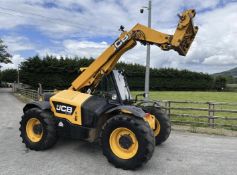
[
  {"x": 5, "y": 57},
  {"x": 54, "y": 73}
]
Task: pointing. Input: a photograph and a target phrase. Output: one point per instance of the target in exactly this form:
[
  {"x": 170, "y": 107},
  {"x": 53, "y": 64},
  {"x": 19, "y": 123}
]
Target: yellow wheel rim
[
  {"x": 157, "y": 128},
  {"x": 30, "y": 130},
  {"x": 118, "y": 149}
]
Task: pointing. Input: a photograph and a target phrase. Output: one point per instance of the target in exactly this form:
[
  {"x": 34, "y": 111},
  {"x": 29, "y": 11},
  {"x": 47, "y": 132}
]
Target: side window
[
  {"x": 110, "y": 87},
  {"x": 106, "y": 88}
]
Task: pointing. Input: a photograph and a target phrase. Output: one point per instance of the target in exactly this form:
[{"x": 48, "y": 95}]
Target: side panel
[
  {"x": 67, "y": 129},
  {"x": 67, "y": 105},
  {"x": 93, "y": 108}
]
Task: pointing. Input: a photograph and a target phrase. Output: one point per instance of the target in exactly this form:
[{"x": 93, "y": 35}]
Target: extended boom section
[{"x": 104, "y": 64}]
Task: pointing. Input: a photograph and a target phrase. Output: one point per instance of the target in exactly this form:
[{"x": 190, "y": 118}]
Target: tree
[
  {"x": 51, "y": 72},
  {"x": 220, "y": 83},
  {"x": 55, "y": 73},
  {"x": 4, "y": 55},
  {"x": 9, "y": 75}
]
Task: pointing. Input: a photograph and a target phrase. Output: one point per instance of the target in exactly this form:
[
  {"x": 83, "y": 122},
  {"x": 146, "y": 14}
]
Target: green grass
[
  {"x": 229, "y": 97},
  {"x": 193, "y": 96},
  {"x": 231, "y": 87}
]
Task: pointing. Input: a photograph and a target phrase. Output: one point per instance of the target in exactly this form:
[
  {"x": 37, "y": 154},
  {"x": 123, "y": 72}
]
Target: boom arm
[{"x": 104, "y": 64}]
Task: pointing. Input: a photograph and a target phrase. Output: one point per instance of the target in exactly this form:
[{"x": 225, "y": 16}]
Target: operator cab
[{"x": 114, "y": 87}]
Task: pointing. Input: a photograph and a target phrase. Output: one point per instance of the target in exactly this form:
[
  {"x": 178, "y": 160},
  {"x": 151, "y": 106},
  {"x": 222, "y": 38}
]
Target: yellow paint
[
  {"x": 117, "y": 149},
  {"x": 185, "y": 32},
  {"x": 150, "y": 35},
  {"x": 73, "y": 98},
  {"x": 157, "y": 128},
  {"x": 150, "y": 119},
  {"x": 33, "y": 137}
]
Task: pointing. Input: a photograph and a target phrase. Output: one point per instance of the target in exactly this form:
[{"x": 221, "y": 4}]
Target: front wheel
[
  {"x": 38, "y": 129},
  {"x": 127, "y": 142}
]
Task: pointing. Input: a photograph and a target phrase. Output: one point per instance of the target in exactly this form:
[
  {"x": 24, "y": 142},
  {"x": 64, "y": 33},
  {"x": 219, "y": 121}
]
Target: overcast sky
[{"x": 86, "y": 28}]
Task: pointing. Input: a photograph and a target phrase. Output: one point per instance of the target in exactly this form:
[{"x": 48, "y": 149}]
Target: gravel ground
[{"x": 182, "y": 154}]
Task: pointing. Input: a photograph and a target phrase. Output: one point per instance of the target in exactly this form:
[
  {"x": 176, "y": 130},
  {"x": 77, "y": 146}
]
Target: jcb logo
[
  {"x": 64, "y": 108},
  {"x": 120, "y": 42}
]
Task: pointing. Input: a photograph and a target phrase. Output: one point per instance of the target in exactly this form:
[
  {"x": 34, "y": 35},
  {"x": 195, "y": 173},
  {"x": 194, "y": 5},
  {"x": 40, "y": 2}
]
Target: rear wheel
[
  {"x": 127, "y": 142},
  {"x": 38, "y": 129},
  {"x": 162, "y": 124}
]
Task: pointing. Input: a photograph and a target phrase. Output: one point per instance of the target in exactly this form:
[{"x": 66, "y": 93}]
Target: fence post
[
  {"x": 169, "y": 106},
  {"x": 209, "y": 114},
  {"x": 14, "y": 87},
  {"x": 39, "y": 92},
  {"x": 166, "y": 107},
  {"x": 213, "y": 114}
]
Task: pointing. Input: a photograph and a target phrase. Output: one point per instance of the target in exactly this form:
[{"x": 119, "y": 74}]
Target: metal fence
[
  {"x": 208, "y": 114},
  {"x": 32, "y": 94},
  {"x": 212, "y": 114}
]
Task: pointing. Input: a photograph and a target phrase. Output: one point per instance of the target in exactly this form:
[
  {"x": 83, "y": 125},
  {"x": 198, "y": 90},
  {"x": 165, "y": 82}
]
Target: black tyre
[
  {"x": 163, "y": 125},
  {"x": 127, "y": 142},
  {"x": 38, "y": 129}
]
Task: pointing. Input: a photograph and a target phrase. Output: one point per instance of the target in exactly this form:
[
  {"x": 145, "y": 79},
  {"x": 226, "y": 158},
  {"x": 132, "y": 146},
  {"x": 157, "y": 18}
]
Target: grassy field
[
  {"x": 230, "y": 97},
  {"x": 193, "y": 96}
]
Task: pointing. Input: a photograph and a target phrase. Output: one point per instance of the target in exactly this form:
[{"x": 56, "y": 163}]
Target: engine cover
[{"x": 67, "y": 104}]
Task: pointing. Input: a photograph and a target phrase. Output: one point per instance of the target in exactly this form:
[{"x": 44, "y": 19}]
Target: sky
[{"x": 86, "y": 28}]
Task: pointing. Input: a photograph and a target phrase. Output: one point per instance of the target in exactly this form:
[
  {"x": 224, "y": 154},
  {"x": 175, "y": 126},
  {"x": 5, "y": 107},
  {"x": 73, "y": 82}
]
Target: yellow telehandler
[{"x": 99, "y": 107}]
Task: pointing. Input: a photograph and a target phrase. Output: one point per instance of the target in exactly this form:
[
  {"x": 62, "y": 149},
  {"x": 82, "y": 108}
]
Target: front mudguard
[{"x": 43, "y": 105}]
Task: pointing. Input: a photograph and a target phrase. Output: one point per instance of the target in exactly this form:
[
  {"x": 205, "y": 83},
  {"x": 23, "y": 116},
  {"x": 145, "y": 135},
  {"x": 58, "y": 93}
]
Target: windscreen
[{"x": 122, "y": 85}]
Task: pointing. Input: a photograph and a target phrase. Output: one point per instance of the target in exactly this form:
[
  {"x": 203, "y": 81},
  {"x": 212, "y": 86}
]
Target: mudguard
[
  {"x": 136, "y": 111},
  {"x": 44, "y": 105}
]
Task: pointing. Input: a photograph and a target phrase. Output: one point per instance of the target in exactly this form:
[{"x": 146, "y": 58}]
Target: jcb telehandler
[{"x": 98, "y": 106}]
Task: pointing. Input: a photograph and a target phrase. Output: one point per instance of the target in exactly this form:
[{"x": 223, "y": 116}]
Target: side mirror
[
  {"x": 111, "y": 96},
  {"x": 141, "y": 10},
  {"x": 114, "y": 96}
]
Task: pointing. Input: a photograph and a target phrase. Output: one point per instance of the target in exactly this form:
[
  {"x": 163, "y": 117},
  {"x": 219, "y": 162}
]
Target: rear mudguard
[
  {"x": 136, "y": 111},
  {"x": 43, "y": 105}
]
